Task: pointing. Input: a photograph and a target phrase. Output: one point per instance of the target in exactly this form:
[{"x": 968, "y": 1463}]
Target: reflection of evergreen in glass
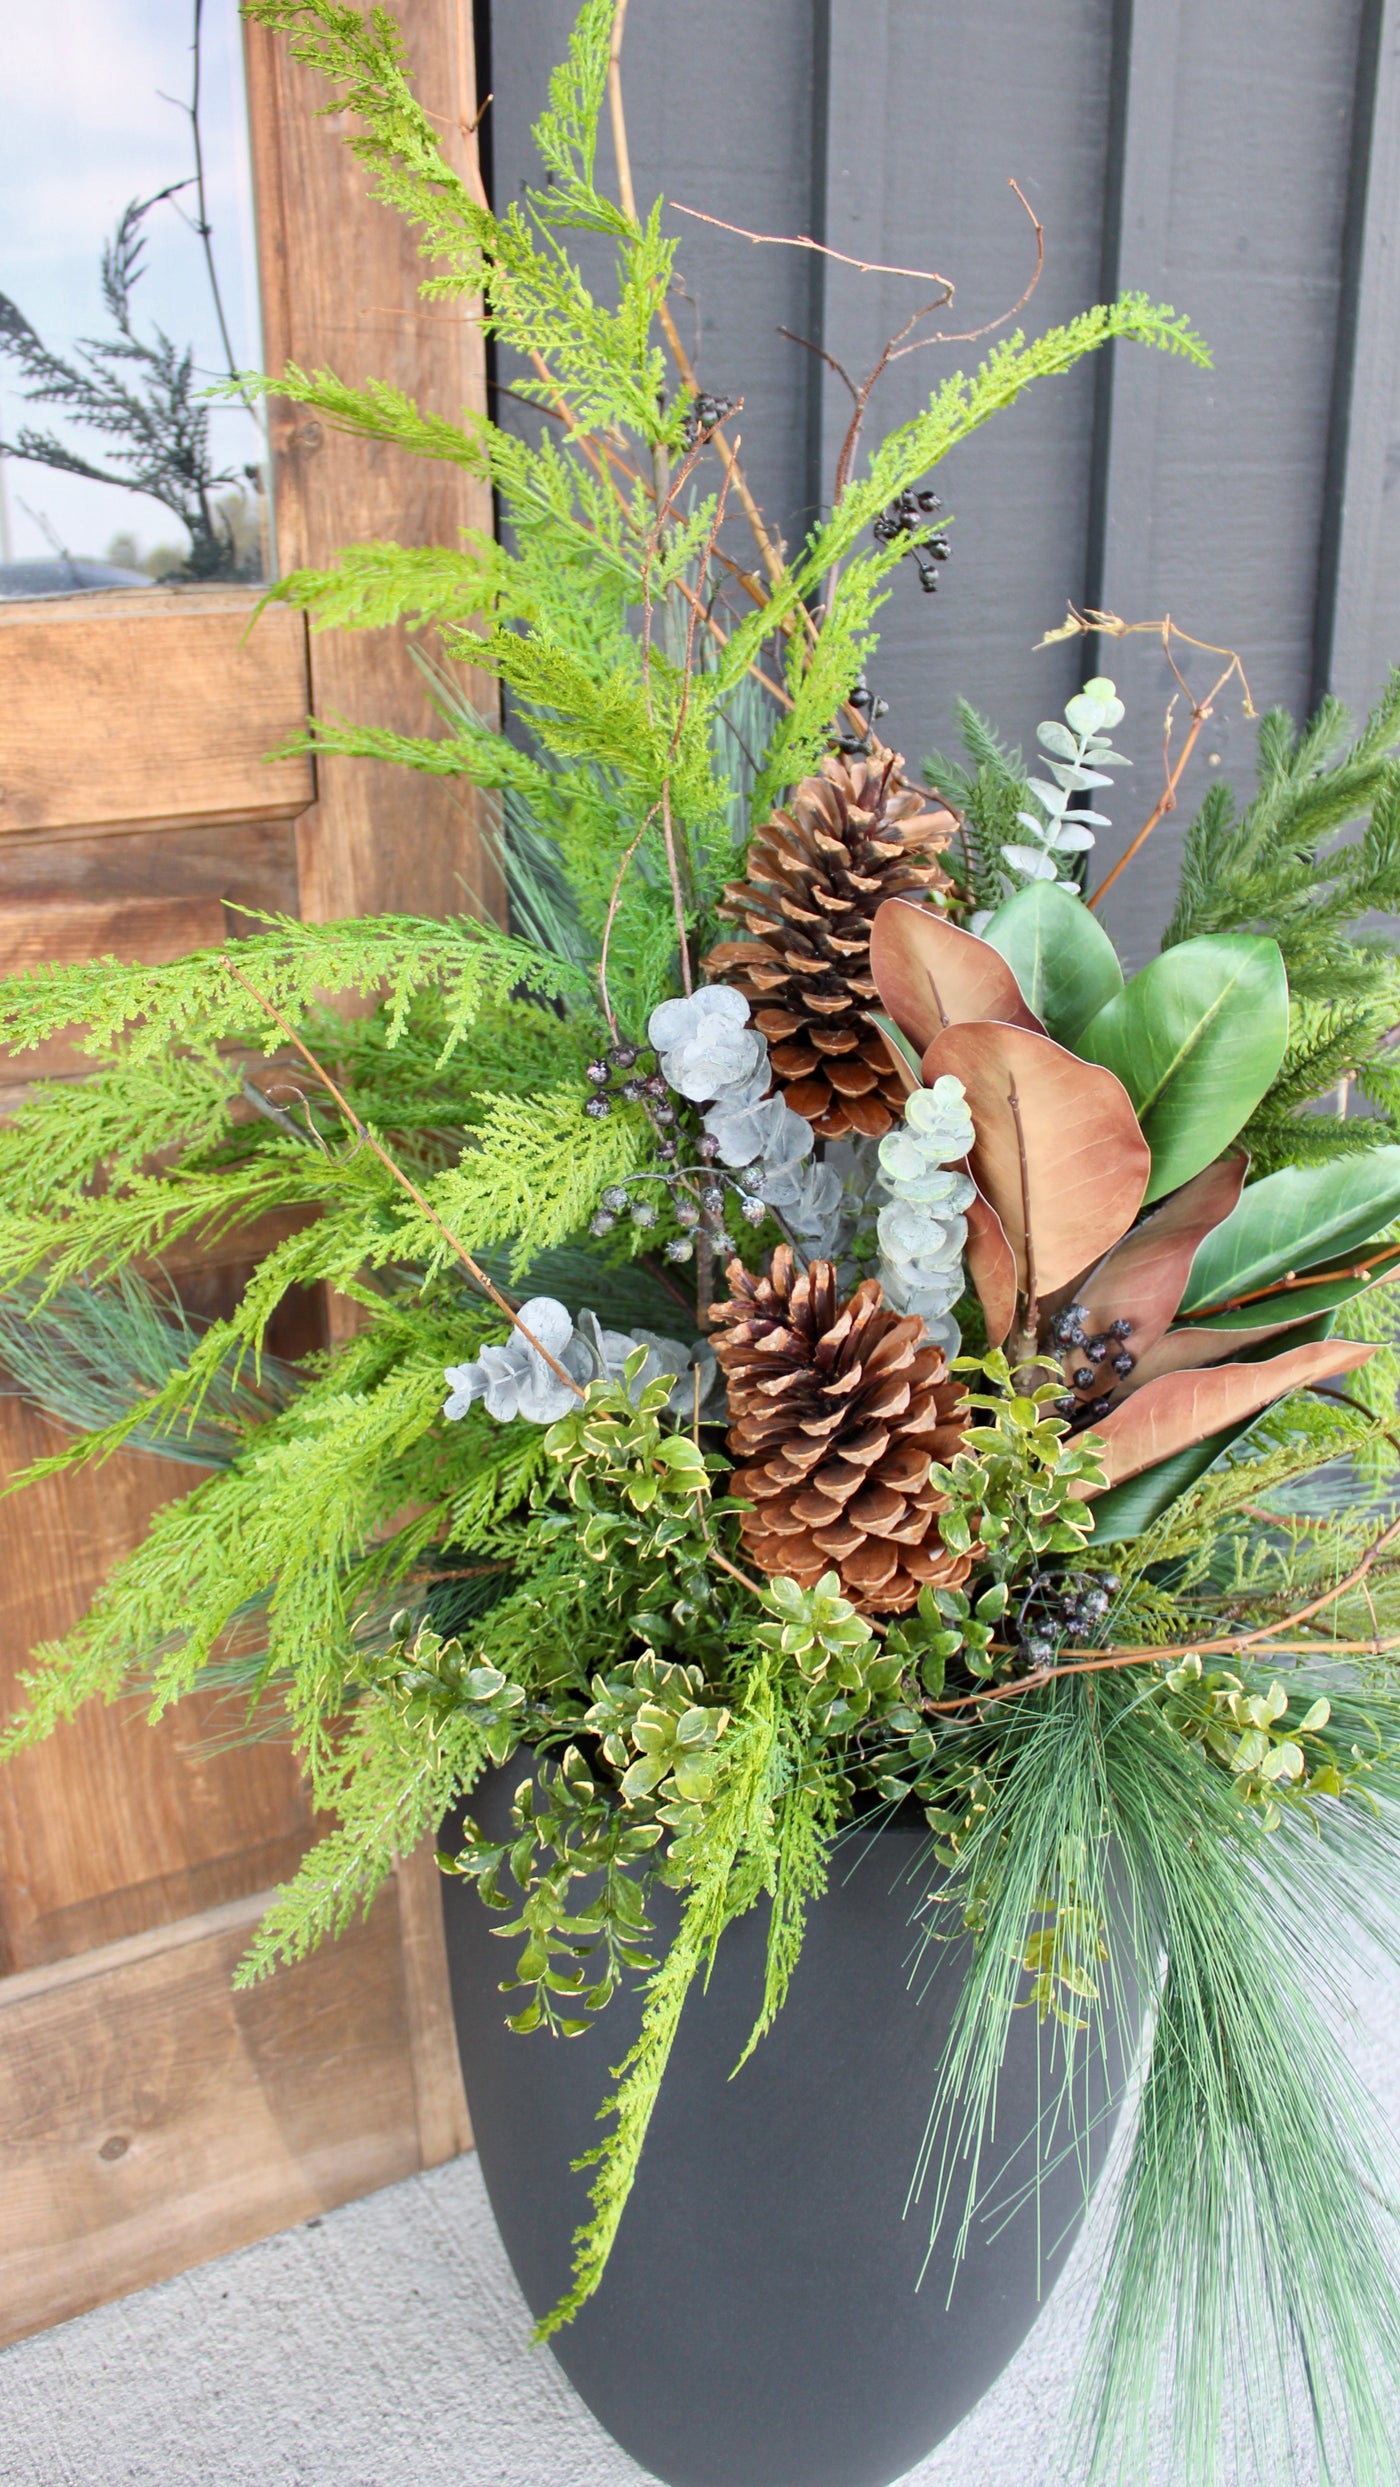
[{"x": 142, "y": 397}]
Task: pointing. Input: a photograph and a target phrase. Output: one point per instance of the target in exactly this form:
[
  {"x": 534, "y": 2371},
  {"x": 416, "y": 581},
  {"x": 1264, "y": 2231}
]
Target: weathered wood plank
[
  {"x": 444, "y": 2125},
  {"x": 61, "y": 932},
  {"x": 154, "y": 2119},
  {"x": 147, "y": 705},
  {"x": 114, "y": 1824},
  {"x": 143, "y": 896},
  {"x": 377, "y": 836}
]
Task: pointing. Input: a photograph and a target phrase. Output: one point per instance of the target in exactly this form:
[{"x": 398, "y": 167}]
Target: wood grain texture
[
  {"x": 150, "y": 704},
  {"x": 246, "y": 864},
  {"x": 144, "y": 895},
  {"x": 114, "y": 1824},
  {"x": 444, "y": 2126},
  {"x": 377, "y": 836},
  {"x": 154, "y": 2119},
  {"x": 61, "y": 932}
]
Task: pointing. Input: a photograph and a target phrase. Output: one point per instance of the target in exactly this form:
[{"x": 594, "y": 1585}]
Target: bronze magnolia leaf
[
  {"x": 1169, "y": 1414},
  {"x": 930, "y": 975},
  {"x": 992, "y": 1266},
  {"x": 1143, "y": 1279},
  {"x": 1058, "y": 1155},
  {"x": 1186, "y": 1350}
]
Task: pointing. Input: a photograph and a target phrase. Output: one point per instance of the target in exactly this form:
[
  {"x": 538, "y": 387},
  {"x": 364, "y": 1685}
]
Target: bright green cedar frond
[
  {"x": 532, "y": 1175},
  {"x": 197, "y": 1000}
]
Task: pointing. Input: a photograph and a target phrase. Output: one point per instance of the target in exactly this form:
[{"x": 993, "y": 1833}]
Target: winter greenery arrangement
[{"x": 828, "y": 1341}]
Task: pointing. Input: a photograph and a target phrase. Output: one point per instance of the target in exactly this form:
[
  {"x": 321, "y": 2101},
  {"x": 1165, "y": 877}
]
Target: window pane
[{"x": 117, "y": 312}]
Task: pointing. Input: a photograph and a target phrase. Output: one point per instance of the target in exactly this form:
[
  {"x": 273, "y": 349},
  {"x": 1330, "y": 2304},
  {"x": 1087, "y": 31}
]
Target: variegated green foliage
[{"x": 417, "y": 1601}]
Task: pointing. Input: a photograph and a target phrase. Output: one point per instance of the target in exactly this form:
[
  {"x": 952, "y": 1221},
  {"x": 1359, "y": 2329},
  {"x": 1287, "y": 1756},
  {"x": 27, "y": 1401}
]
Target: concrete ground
[{"x": 386, "y": 2345}]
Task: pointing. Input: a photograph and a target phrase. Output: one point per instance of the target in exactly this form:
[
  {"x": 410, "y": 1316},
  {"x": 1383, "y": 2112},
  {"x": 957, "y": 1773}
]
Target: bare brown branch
[{"x": 804, "y": 241}]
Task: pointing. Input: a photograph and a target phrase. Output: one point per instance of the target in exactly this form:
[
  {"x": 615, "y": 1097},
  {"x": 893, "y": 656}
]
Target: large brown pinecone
[
  {"x": 836, "y": 1412},
  {"x": 851, "y": 838}
]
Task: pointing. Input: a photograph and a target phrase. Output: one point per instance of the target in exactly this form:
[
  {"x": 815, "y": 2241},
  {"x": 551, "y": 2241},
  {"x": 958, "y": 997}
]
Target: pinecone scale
[
  {"x": 853, "y": 837},
  {"x": 838, "y": 1411}
]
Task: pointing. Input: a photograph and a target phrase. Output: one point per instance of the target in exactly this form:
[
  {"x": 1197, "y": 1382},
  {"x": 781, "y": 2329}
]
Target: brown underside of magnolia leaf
[
  {"x": 1169, "y": 1414},
  {"x": 1186, "y": 1350},
  {"x": 1059, "y": 1155},
  {"x": 992, "y": 1266},
  {"x": 931, "y": 975},
  {"x": 1143, "y": 1279}
]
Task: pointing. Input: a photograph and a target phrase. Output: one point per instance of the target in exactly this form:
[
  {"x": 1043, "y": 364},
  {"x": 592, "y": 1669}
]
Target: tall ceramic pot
[{"x": 765, "y": 2319}]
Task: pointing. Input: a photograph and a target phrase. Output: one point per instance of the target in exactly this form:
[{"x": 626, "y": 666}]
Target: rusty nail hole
[{"x": 115, "y": 2147}]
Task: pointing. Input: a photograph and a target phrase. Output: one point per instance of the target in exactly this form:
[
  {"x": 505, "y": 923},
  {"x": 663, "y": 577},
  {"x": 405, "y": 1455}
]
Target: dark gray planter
[{"x": 761, "y": 2322}]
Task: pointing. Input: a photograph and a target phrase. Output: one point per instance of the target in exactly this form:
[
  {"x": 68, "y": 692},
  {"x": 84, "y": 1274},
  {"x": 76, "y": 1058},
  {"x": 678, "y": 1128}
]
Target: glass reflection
[{"x": 127, "y": 292}]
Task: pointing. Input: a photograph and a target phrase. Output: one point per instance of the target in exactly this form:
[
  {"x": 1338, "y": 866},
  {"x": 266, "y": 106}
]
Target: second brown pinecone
[
  {"x": 849, "y": 839},
  {"x": 837, "y": 1411}
]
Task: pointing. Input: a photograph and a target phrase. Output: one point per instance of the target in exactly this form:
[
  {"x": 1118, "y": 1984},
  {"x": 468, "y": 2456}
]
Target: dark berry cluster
[
  {"x": 697, "y": 1195},
  {"x": 854, "y": 746},
  {"x": 909, "y": 516},
  {"x": 1101, "y": 1354},
  {"x": 1059, "y": 1607},
  {"x": 702, "y": 415},
  {"x": 700, "y": 1214},
  {"x": 618, "y": 1073},
  {"x": 615, "y": 1202}
]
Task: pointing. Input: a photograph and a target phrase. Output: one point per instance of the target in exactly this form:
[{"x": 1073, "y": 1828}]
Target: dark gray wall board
[
  {"x": 1235, "y": 170},
  {"x": 1241, "y": 162},
  {"x": 1361, "y": 618},
  {"x": 720, "y": 104},
  {"x": 938, "y": 109}
]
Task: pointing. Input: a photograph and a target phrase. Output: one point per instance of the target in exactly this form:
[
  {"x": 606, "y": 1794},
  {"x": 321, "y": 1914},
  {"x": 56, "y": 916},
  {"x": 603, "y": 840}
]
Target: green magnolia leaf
[
  {"x": 1126, "y": 1510},
  {"x": 1060, "y": 955},
  {"x": 1303, "y": 1218},
  {"x": 1196, "y": 1039},
  {"x": 1295, "y": 1304}
]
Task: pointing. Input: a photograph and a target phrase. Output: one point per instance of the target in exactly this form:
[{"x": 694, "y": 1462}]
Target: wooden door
[{"x": 148, "y": 2117}]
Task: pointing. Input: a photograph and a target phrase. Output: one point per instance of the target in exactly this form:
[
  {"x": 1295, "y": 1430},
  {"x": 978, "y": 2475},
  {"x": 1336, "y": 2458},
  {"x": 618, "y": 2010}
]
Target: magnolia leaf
[
  {"x": 931, "y": 975},
  {"x": 1287, "y": 1306},
  {"x": 992, "y": 1266},
  {"x": 1058, "y": 1154},
  {"x": 1178, "y": 1409},
  {"x": 902, "y": 1054},
  {"x": 1062, "y": 959},
  {"x": 1142, "y": 1278},
  {"x": 1188, "y": 1349},
  {"x": 1196, "y": 1039},
  {"x": 1124, "y": 1511},
  {"x": 1304, "y": 1218}
]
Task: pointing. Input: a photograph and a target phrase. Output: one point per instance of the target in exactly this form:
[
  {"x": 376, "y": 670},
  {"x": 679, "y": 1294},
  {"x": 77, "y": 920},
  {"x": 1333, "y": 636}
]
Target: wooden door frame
[{"x": 154, "y": 2120}]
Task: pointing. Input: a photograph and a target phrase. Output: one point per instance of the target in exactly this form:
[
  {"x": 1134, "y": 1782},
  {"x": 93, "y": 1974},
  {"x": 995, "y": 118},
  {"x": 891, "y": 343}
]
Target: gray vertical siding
[
  {"x": 721, "y": 99},
  {"x": 1241, "y": 162}
]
